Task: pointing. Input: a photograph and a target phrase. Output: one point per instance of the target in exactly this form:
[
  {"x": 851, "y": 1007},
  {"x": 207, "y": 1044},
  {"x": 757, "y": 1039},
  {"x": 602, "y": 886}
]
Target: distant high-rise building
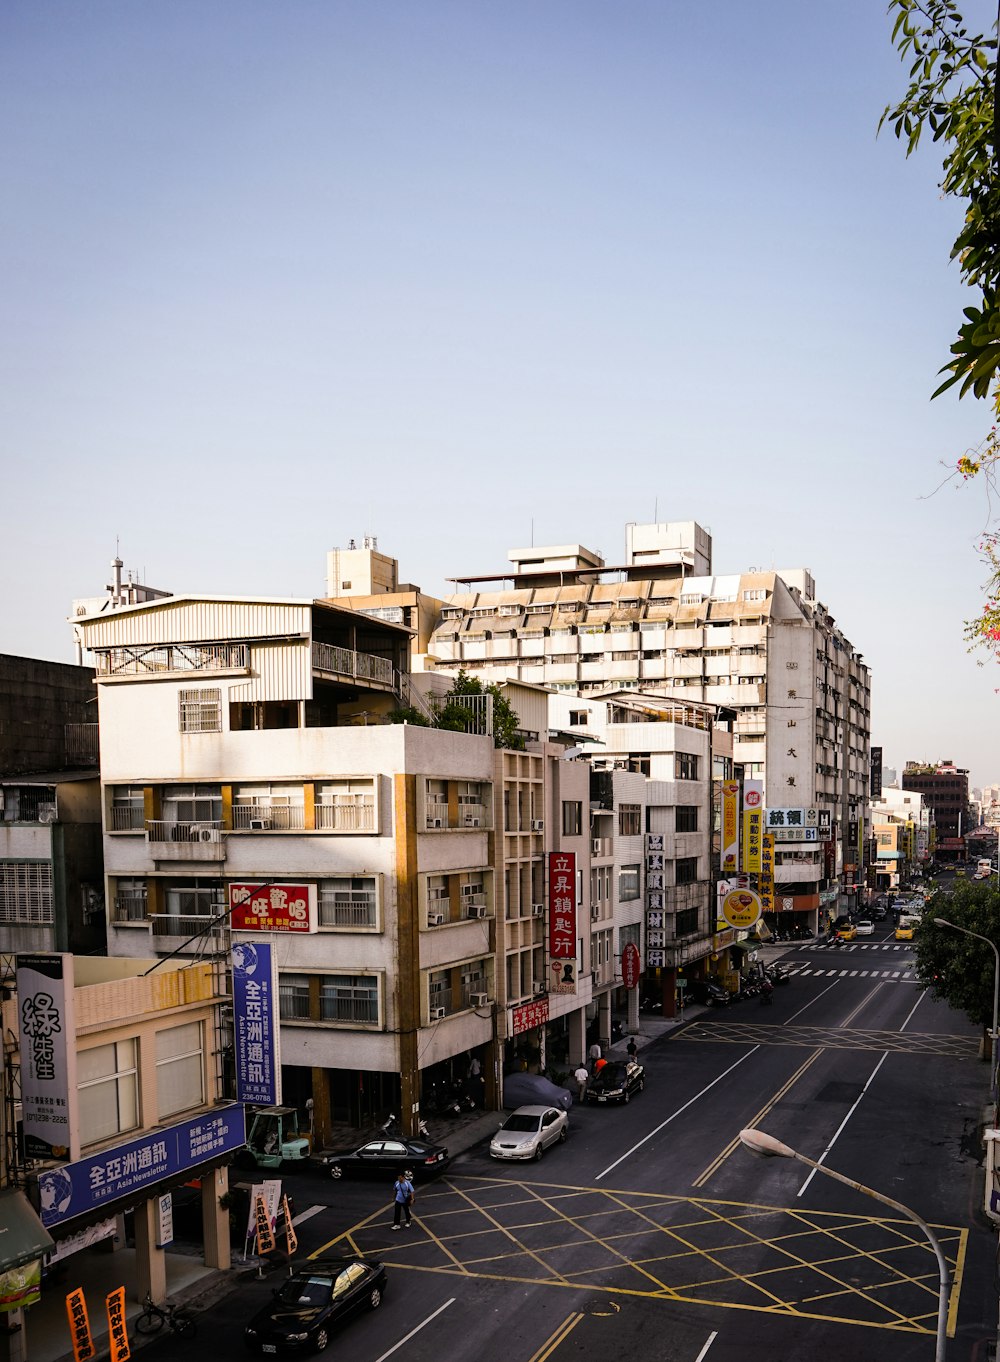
[{"x": 945, "y": 788}]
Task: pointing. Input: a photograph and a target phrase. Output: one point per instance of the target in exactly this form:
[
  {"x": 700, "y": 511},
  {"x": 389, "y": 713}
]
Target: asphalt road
[{"x": 653, "y": 1233}]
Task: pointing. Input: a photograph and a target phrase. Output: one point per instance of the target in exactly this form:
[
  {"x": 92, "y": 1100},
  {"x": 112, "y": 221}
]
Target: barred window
[
  {"x": 348, "y": 902},
  {"x": 686, "y": 766},
  {"x": 201, "y": 710},
  {"x": 349, "y": 998},
  {"x": 687, "y": 922},
  {"x": 687, "y": 870},
  {"x": 293, "y": 997},
  {"x": 628, "y": 883},
  {"x": 26, "y": 892},
  {"x": 686, "y": 818}
]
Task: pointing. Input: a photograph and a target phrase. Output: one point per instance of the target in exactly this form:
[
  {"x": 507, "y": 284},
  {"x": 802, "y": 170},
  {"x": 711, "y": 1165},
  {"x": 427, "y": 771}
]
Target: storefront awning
[{"x": 22, "y": 1235}]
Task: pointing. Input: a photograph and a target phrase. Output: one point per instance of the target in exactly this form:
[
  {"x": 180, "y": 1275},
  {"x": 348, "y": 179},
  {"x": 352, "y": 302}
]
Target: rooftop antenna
[{"x": 656, "y": 509}]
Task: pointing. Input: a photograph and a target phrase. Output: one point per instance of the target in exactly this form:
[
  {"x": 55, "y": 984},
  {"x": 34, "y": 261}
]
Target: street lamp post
[
  {"x": 943, "y": 922},
  {"x": 768, "y": 1147}
]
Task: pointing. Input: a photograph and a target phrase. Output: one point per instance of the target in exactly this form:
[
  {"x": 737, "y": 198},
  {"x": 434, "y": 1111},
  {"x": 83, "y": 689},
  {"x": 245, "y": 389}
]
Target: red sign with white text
[
  {"x": 270, "y": 907},
  {"x": 630, "y": 965},
  {"x": 528, "y": 1016},
  {"x": 562, "y": 921}
]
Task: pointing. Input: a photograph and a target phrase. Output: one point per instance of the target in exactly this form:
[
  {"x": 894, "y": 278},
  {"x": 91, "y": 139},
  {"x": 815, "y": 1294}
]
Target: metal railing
[
  {"x": 263, "y": 816},
  {"x": 186, "y": 925},
  {"x": 130, "y": 908},
  {"x": 177, "y": 657},
  {"x": 162, "y": 830},
  {"x": 347, "y": 910},
  {"x": 327, "y": 657},
  {"x": 127, "y": 818},
  {"x": 346, "y": 817}
]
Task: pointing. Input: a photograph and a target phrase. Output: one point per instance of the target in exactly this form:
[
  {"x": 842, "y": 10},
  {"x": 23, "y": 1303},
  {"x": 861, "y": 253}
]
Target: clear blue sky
[{"x": 275, "y": 275}]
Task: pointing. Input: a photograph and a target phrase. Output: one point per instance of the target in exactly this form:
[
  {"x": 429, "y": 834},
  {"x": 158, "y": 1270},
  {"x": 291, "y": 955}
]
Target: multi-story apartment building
[
  {"x": 905, "y": 837},
  {"x": 254, "y": 783},
  {"x": 758, "y": 643},
  {"x": 945, "y": 788}
]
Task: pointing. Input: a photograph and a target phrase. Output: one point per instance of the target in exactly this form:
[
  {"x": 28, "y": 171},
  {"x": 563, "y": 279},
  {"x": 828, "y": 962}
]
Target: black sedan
[
  {"x": 388, "y": 1157},
  {"x": 616, "y": 1083},
  {"x": 312, "y": 1303}
]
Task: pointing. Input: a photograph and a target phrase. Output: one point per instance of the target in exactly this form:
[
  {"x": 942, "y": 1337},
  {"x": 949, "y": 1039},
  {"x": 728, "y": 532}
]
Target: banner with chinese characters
[
  {"x": 79, "y": 1326},
  {"x": 21, "y": 1286},
  {"x": 129, "y": 1168},
  {"x": 265, "y": 1198},
  {"x": 255, "y": 1024},
  {"x": 730, "y": 824},
  {"x": 562, "y": 921},
  {"x": 47, "y": 1017},
  {"x": 529, "y": 1015},
  {"x": 117, "y": 1332},
  {"x": 753, "y": 825},
  {"x": 765, "y": 881},
  {"x": 272, "y": 907}
]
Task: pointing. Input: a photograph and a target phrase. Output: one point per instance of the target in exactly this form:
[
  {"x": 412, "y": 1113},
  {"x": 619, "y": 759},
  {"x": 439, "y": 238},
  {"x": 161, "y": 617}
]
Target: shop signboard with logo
[
  {"x": 528, "y": 1016},
  {"x": 753, "y": 825},
  {"x": 272, "y": 907},
  {"x": 730, "y": 825},
  {"x": 765, "y": 880},
  {"x": 741, "y": 908}
]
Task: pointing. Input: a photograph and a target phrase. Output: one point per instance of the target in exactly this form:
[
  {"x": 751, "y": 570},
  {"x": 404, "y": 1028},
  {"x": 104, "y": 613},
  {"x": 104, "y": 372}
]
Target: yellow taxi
[
  {"x": 847, "y": 933},
  {"x": 961, "y": 875},
  {"x": 904, "y": 932}
]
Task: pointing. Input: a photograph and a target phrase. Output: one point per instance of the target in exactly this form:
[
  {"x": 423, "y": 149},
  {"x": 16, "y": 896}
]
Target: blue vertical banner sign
[{"x": 255, "y": 1024}]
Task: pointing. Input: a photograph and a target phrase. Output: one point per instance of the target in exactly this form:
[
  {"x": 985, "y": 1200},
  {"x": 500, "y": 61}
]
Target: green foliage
[
  {"x": 455, "y": 716},
  {"x": 952, "y": 96},
  {"x": 407, "y": 714},
  {"x": 956, "y": 967}
]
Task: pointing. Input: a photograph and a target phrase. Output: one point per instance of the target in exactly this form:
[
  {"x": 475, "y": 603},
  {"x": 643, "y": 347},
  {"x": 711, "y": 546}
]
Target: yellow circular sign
[{"x": 741, "y": 907}]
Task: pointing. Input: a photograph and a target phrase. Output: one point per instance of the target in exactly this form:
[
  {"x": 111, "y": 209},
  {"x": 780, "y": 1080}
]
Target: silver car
[{"x": 528, "y": 1132}]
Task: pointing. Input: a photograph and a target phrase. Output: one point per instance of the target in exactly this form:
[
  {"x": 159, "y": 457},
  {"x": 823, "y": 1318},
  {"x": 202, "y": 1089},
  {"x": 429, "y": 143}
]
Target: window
[
  {"x": 686, "y": 766},
  {"x": 26, "y": 892},
  {"x": 630, "y": 820},
  {"x": 349, "y": 998},
  {"x": 686, "y": 922},
  {"x": 348, "y": 902},
  {"x": 628, "y": 883},
  {"x": 128, "y": 812},
  {"x": 686, "y": 818},
  {"x": 180, "y": 1069},
  {"x": 572, "y": 818},
  {"x": 578, "y": 718},
  {"x": 686, "y": 870},
  {"x": 293, "y": 997},
  {"x": 201, "y": 710},
  {"x": 192, "y": 804},
  {"x": 108, "y": 1088}
]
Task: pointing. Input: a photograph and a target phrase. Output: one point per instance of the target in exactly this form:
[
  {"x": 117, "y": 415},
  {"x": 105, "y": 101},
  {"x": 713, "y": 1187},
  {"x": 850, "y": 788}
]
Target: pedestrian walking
[
  {"x": 581, "y": 1075},
  {"x": 403, "y": 1197},
  {"x": 632, "y": 1050}
]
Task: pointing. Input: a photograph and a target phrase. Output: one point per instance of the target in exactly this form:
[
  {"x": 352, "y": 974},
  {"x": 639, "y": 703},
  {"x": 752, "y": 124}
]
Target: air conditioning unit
[
  {"x": 473, "y": 820},
  {"x": 435, "y": 919},
  {"x": 437, "y": 1013},
  {"x": 478, "y": 999},
  {"x": 435, "y": 822},
  {"x": 209, "y": 835},
  {"x": 471, "y": 889},
  {"x": 595, "y": 846},
  {"x": 538, "y": 825},
  {"x": 477, "y": 910},
  {"x": 537, "y": 909},
  {"x": 539, "y": 987},
  {"x": 259, "y": 824}
]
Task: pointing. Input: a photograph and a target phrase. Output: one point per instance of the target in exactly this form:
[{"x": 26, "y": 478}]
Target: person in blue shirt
[{"x": 403, "y": 1195}]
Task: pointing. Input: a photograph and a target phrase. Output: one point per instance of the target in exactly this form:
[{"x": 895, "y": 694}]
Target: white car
[
  {"x": 864, "y": 927},
  {"x": 528, "y": 1132}
]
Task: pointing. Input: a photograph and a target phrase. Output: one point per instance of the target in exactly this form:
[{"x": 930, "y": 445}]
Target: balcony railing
[
  {"x": 130, "y": 908},
  {"x": 357, "y": 816},
  {"x": 469, "y": 815},
  {"x": 348, "y": 910},
  {"x": 263, "y": 816},
  {"x": 163, "y": 830},
  {"x": 359, "y": 666},
  {"x": 127, "y": 818},
  {"x": 177, "y": 657},
  {"x": 186, "y": 925}
]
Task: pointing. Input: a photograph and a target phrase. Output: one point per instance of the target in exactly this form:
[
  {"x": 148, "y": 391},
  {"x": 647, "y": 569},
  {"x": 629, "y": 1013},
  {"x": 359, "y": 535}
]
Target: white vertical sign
[{"x": 46, "y": 1015}]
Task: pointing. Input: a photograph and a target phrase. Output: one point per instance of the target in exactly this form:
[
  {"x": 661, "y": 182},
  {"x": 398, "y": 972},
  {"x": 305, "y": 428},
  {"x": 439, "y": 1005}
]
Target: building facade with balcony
[{"x": 248, "y": 764}]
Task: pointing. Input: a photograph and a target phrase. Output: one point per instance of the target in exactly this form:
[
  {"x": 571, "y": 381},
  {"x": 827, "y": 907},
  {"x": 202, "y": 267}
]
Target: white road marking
[
  {"x": 307, "y": 1215},
  {"x": 708, "y": 1087},
  {"x": 843, "y": 1123},
  {"x": 413, "y": 1332},
  {"x": 708, "y": 1343}
]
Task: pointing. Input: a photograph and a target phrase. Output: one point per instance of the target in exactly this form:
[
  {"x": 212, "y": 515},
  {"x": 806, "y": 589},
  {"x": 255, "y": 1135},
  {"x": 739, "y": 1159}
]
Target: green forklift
[{"x": 274, "y": 1139}]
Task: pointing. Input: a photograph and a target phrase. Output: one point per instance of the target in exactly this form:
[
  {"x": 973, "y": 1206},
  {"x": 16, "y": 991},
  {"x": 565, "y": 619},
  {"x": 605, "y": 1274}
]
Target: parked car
[
  {"x": 708, "y": 991},
  {"x": 527, "y": 1132},
  {"x": 387, "y": 1156},
  {"x": 310, "y": 1304},
  {"x": 864, "y": 927},
  {"x": 524, "y": 1089},
  {"x": 616, "y": 1082}
]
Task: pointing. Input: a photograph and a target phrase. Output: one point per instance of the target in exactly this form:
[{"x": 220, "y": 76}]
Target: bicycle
[{"x": 154, "y": 1316}]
